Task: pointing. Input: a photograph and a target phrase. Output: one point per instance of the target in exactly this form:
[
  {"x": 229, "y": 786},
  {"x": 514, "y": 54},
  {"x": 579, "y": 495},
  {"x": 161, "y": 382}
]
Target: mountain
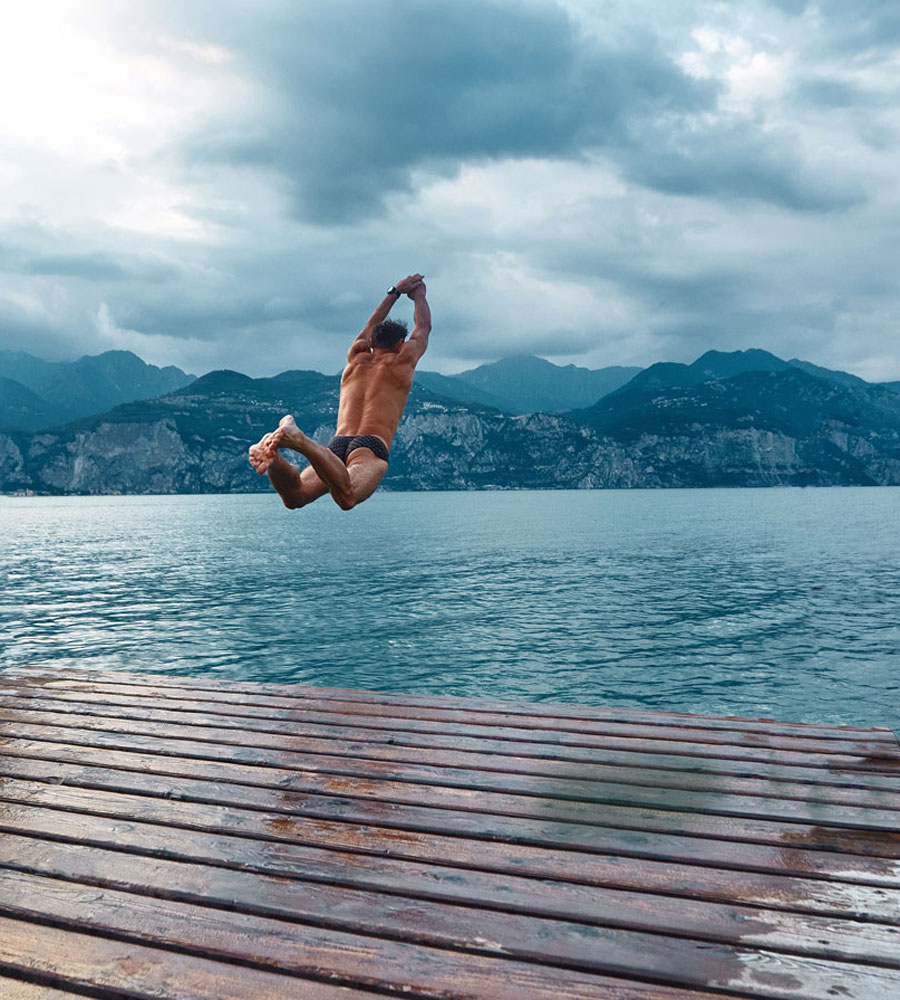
[
  {"x": 841, "y": 378},
  {"x": 737, "y": 426},
  {"x": 20, "y": 407},
  {"x": 712, "y": 365},
  {"x": 725, "y": 364},
  {"x": 195, "y": 440},
  {"x": 453, "y": 387},
  {"x": 767, "y": 426},
  {"x": 92, "y": 384},
  {"x": 526, "y": 384}
]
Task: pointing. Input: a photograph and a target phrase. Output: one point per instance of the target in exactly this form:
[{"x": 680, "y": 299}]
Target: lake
[{"x": 781, "y": 603}]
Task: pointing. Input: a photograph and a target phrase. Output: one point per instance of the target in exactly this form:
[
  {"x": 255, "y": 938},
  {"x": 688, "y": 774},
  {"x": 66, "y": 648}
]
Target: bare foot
[
  {"x": 259, "y": 456},
  {"x": 288, "y": 435}
]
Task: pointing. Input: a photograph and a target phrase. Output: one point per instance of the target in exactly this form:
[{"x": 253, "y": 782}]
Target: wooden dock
[{"x": 173, "y": 837}]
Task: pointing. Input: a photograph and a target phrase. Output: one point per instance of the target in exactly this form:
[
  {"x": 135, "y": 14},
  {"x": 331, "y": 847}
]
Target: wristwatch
[{"x": 393, "y": 291}]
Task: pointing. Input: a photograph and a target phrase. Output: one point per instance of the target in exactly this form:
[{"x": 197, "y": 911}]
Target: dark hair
[{"x": 388, "y": 333}]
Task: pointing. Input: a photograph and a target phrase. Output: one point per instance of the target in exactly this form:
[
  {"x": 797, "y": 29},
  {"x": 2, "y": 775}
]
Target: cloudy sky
[{"x": 233, "y": 183}]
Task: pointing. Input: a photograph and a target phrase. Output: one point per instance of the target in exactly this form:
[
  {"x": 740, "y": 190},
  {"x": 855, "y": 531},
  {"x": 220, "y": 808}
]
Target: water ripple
[{"x": 754, "y": 602}]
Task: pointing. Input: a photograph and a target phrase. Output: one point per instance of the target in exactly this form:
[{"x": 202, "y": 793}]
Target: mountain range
[
  {"x": 743, "y": 418},
  {"x": 525, "y": 384},
  {"x": 35, "y": 394}
]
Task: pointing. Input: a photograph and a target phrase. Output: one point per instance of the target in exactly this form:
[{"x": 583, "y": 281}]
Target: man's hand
[
  {"x": 407, "y": 284},
  {"x": 417, "y": 292}
]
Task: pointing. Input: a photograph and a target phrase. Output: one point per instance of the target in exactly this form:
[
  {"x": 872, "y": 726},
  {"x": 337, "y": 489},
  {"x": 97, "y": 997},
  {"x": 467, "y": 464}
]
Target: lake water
[{"x": 781, "y": 603}]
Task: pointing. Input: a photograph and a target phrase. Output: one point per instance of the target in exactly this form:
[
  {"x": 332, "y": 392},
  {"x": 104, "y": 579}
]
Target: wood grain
[
  {"x": 588, "y": 782},
  {"x": 445, "y": 750},
  {"x": 167, "y": 684},
  {"x": 364, "y": 960},
  {"x": 176, "y": 837},
  {"x": 437, "y": 867}
]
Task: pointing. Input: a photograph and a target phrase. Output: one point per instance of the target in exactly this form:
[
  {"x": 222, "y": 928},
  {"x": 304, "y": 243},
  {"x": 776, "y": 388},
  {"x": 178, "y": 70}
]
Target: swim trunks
[{"x": 342, "y": 446}]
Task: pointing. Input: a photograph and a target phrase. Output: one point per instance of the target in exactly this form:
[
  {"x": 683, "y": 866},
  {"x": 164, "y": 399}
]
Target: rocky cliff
[{"x": 756, "y": 428}]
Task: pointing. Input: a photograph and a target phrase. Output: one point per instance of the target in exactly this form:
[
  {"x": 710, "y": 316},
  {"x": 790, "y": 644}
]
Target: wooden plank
[
  {"x": 529, "y": 879},
  {"x": 18, "y": 989},
  {"x": 443, "y": 848},
  {"x": 552, "y": 710},
  {"x": 805, "y": 755},
  {"x": 373, "y": 962},
  {"x": 738, "y": 817},
  {"x": 116, "y": 969},
  {"x": 681, "y": 771},
  {"x": 514, "y": 919},
  {"x": 596, "y": 783},
  {"x": 364, "y": 826},
  {"x": 402, "y": 965},
  {"x": 546, "y": 727}
]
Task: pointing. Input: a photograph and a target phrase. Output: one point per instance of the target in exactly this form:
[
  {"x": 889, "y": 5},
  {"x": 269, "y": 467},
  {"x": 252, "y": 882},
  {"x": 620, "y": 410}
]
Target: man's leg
[
  {"x": 329, "y": 468},
  {"x": 295, "y": 488},
  {"x": 348, "y": 484},
  {"x": 366, "y": 471}
]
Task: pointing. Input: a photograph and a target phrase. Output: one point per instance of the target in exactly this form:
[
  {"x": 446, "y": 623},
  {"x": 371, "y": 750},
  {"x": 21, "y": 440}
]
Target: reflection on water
[{"x": 779, "y": 603}]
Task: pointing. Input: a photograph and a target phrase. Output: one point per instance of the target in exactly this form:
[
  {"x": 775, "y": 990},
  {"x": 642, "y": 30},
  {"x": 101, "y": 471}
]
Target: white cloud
[
  {"x": 213, "y": 55},
  {"x": 750, "y": 76},
  {"x": 761, "y": 77}
]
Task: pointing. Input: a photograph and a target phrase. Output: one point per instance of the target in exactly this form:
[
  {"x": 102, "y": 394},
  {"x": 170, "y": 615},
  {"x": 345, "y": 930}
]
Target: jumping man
[{"x": 374, "y": 389}]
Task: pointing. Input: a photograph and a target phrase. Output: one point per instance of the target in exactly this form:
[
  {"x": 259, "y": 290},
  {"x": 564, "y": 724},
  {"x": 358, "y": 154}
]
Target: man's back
[{"x": 374, "y": 390}]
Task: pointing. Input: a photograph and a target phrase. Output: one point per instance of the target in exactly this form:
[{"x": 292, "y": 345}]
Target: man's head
[{"x": 389, "y": 334}]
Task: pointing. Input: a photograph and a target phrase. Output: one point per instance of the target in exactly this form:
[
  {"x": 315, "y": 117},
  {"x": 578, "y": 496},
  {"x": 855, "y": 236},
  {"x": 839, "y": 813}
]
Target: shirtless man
[{"x": 374, "y": 389}]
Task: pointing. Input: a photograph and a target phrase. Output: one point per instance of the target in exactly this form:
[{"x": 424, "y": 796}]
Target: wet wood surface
[{"x": 168, "y": 836}]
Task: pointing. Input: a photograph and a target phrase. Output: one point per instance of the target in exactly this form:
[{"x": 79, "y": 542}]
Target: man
[{"x": 374, "y": 389}]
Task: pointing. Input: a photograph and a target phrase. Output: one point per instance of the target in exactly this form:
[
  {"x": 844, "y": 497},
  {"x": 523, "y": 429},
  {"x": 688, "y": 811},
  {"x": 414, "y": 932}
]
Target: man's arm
[
  {"x": 363, "y": 341},
  {"x": 417, "y": 344}
]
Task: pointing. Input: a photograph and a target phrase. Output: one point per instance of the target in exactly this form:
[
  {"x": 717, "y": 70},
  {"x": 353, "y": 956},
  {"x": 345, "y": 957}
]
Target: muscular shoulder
[
  {"x": 399, "y": 366},
  {"x": 411, "y": 353},
  {"x": 359, "y": 359},
  {"x": 358, "y": 349},
  {"x": 358, "y": 366}
]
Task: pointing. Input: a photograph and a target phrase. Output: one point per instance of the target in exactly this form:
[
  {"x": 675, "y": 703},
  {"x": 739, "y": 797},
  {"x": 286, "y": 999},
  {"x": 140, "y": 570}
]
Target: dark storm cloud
[
  {"x": 795, "y": 7},
  {"x": 728, "y": 161},
  {"x": 101, "y": 267},
  {"x": 826, "y": 92},
  {"x": 860, "y": 26},
  {"x": 361, "y": 95},
  {"x": 56, "y": 252},
  {"x": 365, "y": 93},
  {"x": 104, "y": 267},
  {"x": 225, "y": 310},
  {"x": 197, "y": 316}
]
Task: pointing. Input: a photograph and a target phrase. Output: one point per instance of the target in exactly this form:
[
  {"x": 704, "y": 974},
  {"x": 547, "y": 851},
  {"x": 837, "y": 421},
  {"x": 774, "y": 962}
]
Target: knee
[
  {"x": 346, "y": 501},
  {"x": 293, "y": 502}
]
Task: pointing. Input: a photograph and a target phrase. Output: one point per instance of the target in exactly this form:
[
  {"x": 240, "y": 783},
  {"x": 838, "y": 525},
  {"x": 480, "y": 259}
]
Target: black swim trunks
[{"x": 342, "y": 446}]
